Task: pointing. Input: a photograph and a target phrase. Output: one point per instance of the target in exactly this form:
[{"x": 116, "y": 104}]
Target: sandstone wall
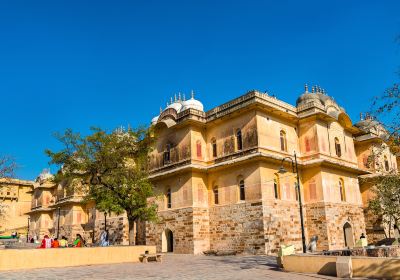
[
  {"x": 237, "y": 227},
  {"x": 180, "y": 222},
  {"x": 281, "y": 222},
  {"x": 326, "y": 220}
]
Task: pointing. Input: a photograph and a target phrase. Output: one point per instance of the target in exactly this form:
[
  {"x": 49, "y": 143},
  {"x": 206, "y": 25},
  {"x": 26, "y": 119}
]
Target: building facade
[
  {"x": 217, "y": 181},
  {"x": 60, "y": 210},
  {"x": 15, "y": 201}
]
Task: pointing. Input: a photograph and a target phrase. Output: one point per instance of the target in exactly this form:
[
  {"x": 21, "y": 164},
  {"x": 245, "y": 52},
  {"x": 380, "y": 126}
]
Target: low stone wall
[
  {"x": 387, "y": 268},
  {"x": 14, "y": 259},
  {"x": 315, "y": 264},
  {"x": 366, "y": 267}
]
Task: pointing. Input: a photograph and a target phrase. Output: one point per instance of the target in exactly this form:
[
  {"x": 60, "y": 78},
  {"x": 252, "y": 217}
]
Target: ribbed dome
[
  {"x": 192, "y": 104},
  {"x": 155, "y": 119},
  {"x": 367, "y": 125},
  {"x": 44, "y": 175},
  {"x": 319, "y": 97},
  {"x": 175, "y": 105}
]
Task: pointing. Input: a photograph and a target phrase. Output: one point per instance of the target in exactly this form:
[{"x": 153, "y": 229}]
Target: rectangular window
[
  {"x": 215, "y": 191},
  {"x": 169, "y": 199},
  {"x": 198, "y": 149},
  {"x": 242, "y": 194},
  {"x": 276, "y": 191},
  {"x": 239, "y": 142},
  {"x": 214, "y": 148}
]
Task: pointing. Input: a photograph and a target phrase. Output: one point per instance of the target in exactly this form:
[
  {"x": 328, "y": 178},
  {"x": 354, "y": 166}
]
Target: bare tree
[{"x": 7, "y": 167}]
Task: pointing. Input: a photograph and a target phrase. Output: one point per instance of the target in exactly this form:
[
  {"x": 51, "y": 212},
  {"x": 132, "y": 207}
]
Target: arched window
[
  {"x": 167, "y": 154},
  {"x": 297, "y": 191},
  {"x": 338, "y": 150},
  {"x": 283, "y": 141},
  {"x": 198, "y": 148},
  {"x": 342, "y": 190},
  {"x": 242, "y": 194},
  {"x": 239, "y": 142},
  {"x": 169, "y": 198},
  {"x": 386, "y": 163},
  {"x": 215, "y": 193},
  {"x": 277, "y": 193},
  {"x": 214, "y": 147}
]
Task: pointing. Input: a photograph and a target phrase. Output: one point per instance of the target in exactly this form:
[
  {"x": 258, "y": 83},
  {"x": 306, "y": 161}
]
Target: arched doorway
[
  {"x": 348, "y": 235},
  {"x": 167, "y": 241}
]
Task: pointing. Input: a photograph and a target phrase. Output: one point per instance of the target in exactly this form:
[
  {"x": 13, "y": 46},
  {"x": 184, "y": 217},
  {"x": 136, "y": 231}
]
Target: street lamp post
[
  {"x": 58, "y": 222},
  {"x": 282, "y": 170},
  {"x": 105, "y": 221},
  {"x": 27, "y": 233}
]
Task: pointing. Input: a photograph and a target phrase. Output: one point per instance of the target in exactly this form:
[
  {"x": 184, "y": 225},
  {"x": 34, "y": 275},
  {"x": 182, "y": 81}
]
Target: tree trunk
[{"x": 132, "y": 231}]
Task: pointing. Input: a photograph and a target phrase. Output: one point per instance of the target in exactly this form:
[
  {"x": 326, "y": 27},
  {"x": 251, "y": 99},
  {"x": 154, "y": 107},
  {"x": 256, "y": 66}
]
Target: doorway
[
  {"x": 167, "y": 241},
  {"x": 348, "y": 235}
]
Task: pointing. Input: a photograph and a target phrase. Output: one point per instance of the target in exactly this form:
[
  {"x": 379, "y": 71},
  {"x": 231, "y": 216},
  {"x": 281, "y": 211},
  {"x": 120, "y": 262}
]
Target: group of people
[{"x": 48, "y": 242}]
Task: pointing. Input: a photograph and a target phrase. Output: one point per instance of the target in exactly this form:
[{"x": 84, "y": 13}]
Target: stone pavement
[{"x": 173, "y": 267}]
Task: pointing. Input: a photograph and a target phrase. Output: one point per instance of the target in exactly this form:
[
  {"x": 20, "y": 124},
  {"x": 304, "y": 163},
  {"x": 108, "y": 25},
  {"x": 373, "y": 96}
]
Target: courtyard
[{"x": 173, "y": 267}]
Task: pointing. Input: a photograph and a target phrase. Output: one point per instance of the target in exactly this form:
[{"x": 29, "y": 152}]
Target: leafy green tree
[
  {"x": 386, "y": 202},
  {"x": 110, "y": 169}
]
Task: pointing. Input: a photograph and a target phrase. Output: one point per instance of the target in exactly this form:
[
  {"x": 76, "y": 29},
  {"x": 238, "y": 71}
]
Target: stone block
[{"x": 344, "y": 267}]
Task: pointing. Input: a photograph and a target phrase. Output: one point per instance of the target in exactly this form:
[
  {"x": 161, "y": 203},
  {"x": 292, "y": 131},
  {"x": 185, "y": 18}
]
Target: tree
[
  {"x": 111, "y": 169},
  {"x": 7, "y": 168},
  {"x": 386, "y": 202},
  {"x": 386, "y": 110}
]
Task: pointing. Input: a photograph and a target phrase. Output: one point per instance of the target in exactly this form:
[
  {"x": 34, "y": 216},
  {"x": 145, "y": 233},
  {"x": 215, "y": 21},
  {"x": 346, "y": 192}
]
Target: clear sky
[{"x": 76, "y": 64}]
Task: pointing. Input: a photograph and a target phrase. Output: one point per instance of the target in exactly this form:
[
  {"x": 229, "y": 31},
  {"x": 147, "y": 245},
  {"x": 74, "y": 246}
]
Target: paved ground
[{"x": 186, "y": 267}]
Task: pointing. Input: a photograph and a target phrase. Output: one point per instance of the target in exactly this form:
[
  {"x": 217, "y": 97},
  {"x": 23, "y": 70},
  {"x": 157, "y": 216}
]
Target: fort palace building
[
  {"x": 217, "y": 172},
  {"x": 218, "y": 180}
]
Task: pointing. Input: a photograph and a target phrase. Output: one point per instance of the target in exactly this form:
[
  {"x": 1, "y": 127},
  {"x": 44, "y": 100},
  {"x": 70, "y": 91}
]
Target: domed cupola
[
  {"x": 317, "y": 95},
  {"x": 154, "y": 120},
  {"x": 176, "y": 104},
  {"x": 370, "y": 125},
  {"x": 192, "y": 104}
]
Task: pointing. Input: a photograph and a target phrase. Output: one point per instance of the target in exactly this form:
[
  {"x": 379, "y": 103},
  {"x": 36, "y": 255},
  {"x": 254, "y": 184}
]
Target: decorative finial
[
  {"x": 306, "y": 88},
  {"x": 192, "y": 93},
  {"x": 160, "y": 110},
  {"x": 179, "y": 96},
  {"x": 323, "y": 91},
  {"x": 184, "y": 97},
  {"x": 167, "y": 104},
  {"x": 361, "y": 116},
  {"x": 171, "y": 101},
  {"x": 175, "y": 97},
  {"x": 313, "y": 89}
]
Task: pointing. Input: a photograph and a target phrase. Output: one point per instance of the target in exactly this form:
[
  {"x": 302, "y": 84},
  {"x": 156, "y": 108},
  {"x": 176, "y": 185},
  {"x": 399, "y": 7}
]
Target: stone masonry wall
[
  {"x": 337, "y": 215},
  {"x": 326, "y": 220},
  {"x": 180, "y": 222},
  {"x": 315, "y": 221},
  {"x": 237, "y": 227},
  {"x": 201, "y": 230},
  {"x": 281, "y": 225}
]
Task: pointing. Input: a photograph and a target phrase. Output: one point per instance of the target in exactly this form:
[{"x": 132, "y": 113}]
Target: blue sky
[{"x": 76, "y": 64}]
